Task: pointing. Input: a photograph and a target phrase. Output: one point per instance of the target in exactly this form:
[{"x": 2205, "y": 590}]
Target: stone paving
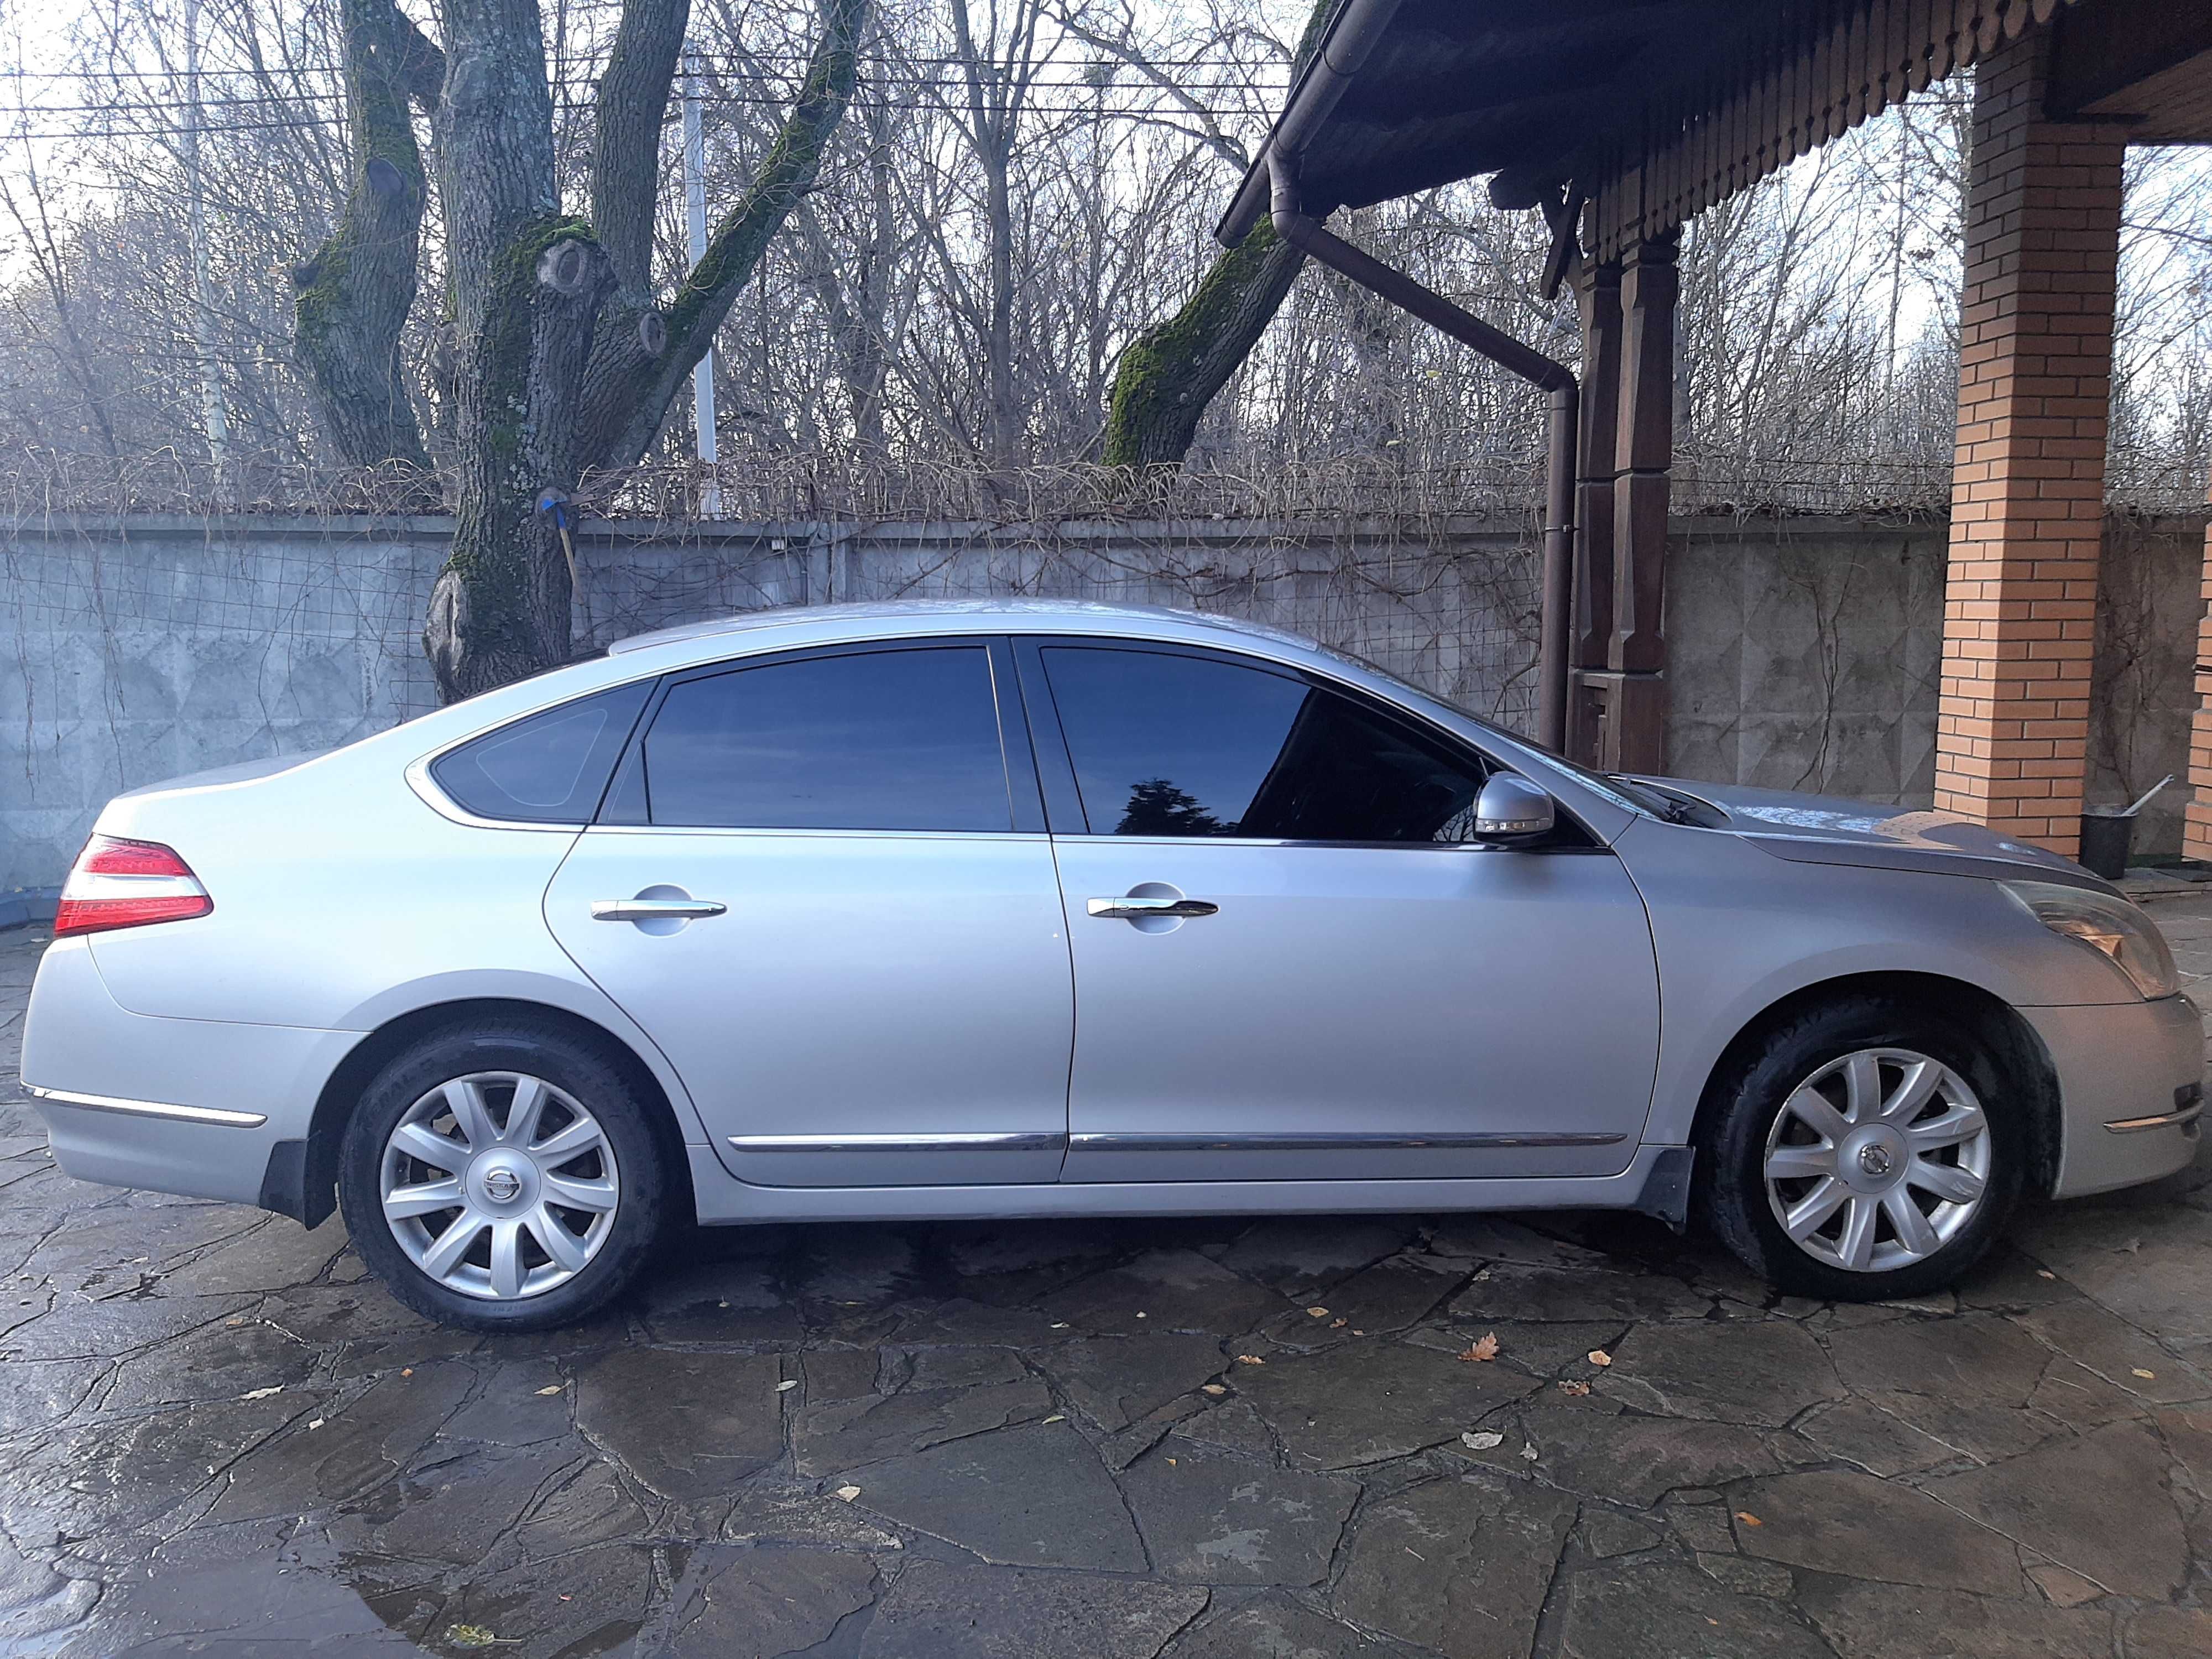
[{"x": 1195, "y": 1439}]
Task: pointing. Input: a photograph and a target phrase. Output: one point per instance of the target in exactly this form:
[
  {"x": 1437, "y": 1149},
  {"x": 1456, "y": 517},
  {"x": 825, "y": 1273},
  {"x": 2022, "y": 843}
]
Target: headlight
[{"x": 2113, "y": 927}]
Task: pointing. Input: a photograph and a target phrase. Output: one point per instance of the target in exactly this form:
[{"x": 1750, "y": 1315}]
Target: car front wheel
[
  {"x": 1867, "y": 1150},
  {"x": 502, "y": 1180}
]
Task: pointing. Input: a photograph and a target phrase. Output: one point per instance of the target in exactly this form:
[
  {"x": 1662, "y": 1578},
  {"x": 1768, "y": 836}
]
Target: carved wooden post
[
  {"x": 1597, "y": 294},
  {"x": 1635, "y": 733}
]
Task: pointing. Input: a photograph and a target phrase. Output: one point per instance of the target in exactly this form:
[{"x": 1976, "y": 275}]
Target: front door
[
  {"x": 837, "y": 915},
  {"x": 1291, "y": 964}
]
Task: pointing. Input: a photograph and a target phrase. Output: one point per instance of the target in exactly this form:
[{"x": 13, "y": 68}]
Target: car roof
[{"x": 929, "y": 616}]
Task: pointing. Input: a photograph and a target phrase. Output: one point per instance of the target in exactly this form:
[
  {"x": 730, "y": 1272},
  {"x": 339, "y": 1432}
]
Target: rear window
[
  {"x": 905, "y": 739},
  {"x": 550, "y": 768}
]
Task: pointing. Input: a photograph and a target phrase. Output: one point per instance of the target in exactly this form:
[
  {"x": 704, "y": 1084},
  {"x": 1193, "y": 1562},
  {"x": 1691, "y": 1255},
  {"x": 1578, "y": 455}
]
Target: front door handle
[
  {"x": 655, "y": 909},
  {"x": 1130, "y": 908}
]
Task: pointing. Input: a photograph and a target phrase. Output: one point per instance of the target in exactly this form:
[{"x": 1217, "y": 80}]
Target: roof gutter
[
  {"x": 1295, "y": 226},
  {"x": 1344, "y": 49}
]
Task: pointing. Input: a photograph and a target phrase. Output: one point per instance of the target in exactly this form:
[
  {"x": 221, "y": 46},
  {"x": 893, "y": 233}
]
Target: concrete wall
[
  {"x": 135, "y": 650},
  {"x": 1804, "y": 651},
  {"x": 1806, "y": 654}
]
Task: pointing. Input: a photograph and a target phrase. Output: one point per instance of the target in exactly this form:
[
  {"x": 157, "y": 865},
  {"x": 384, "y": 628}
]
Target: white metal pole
[
  {"x": 694, "y": 212},
  {"x": 217, "y": 422}
]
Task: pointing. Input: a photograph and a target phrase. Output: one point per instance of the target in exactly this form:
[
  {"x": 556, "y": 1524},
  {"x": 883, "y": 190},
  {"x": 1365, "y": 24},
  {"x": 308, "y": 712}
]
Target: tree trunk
[
  {"x": 527, "y": 285},
  {"x": 353, "y": 296},
  {"x": 1175, "y": 369},
  {"x": 628, "y": 385},
  {"x": 563, "y": 363},
  {"x": 1172, "y": 371}
]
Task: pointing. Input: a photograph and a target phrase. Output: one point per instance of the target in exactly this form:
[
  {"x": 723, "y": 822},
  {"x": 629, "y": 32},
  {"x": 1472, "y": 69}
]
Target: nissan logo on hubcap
[
  {"x": 502, "y": 1185},
  {"x": 1874, "y": 1160}
]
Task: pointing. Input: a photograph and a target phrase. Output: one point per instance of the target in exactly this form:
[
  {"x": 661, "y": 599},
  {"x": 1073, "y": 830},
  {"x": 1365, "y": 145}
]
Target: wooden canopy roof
[{"x": 1649, "y": 111}]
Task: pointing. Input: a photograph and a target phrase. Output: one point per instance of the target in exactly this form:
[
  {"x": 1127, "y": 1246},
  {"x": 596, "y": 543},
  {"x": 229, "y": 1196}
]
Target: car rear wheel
[
  {"x": 1867, "y": 1151},
  {"x": 504, "y": 1179}
]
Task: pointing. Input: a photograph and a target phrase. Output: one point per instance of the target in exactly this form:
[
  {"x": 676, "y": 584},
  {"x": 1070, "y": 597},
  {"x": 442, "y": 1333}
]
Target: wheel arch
[
  {"x": 302, "y": 1183},
  {"x": 2011, "y": 1040}
]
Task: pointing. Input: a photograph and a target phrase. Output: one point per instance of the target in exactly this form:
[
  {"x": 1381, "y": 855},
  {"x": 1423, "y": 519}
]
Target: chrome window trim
[
  {"x": 811, "y": 834},
  {"x": 1112, "y": 1141},
  {"x": 217, "y": 1115},
  {"x": 419, "y": 779},
  {"x": 417, "y": 772},
  {"x": 1016, "y": 1141}
]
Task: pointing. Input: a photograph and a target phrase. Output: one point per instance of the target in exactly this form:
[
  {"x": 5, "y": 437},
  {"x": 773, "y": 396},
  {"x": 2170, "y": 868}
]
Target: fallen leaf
[
  {"x": 316, "y": 1423},
  {"x": 1482, "y": 1442},
  {"x": 2044, "y": 1273},
  {"x": 1338, "y": 1324},
  {"x": 555, "y": 1388},
  {"x": 2145, "y": 1375},
  {"x": 1528, "y": 1452},
  {"x": 1250, "y": 1359},
  {"x": 1578, "y": 1389},
  {"x": 1748, "y": 1518},
  {"x": 1317, "y": 1313},
  {"x": 1485, "y": 1347},
  {"x": 262, "y": 1394},
  {"x": 848, "y": 1493},
  {"x": 476, "y": 1636},
  {"x": 1057, "y": 1417},
  {"x": 1600, "y": 1357},
  {"x": 407, "y": 1370},
  {"x": 1060, "y": 1325},
  {"x": 785, "y": 1387},
  {"x": 1140, "y": 1316},
  {"x": 1171, "y": 1463},
  {"x": 1213, "y": 1389},
  {"x": 1356, "y": 1331}
]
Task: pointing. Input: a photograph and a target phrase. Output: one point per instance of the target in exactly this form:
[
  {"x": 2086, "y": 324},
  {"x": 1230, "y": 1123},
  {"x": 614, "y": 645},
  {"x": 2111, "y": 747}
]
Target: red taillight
[{"x": 127, "y": 883}]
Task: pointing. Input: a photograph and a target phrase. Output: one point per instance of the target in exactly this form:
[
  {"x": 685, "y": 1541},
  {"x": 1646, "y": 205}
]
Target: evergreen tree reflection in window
[{"x": 1156, "y": 807}]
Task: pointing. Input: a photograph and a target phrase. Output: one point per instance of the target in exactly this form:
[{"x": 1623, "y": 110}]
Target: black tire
[
  {"x": 1733, "y": 1189},
  {"x": 640, "y": 1217}
]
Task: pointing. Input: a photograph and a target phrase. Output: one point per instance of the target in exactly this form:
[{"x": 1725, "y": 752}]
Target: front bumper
[
  {"x": 2131, "y": 1081},
  {"x": 186, "y": 1106}
]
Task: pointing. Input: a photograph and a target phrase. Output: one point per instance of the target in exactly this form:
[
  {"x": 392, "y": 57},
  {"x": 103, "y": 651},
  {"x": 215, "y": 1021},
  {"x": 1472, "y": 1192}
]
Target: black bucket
[{"x": 2107, "y": 839}]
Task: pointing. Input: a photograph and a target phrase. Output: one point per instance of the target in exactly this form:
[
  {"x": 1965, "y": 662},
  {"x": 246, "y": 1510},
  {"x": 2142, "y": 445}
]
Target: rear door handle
[
  {"x": 651, "y": 909},
  {"x": 1133, "y": 908}
]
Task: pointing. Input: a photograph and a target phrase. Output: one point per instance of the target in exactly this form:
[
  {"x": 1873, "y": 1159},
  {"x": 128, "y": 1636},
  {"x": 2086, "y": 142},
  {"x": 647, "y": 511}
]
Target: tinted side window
[
  {"x": 1175, "y": 745},
  {"x": 883, "y": 740},
  {"x": 549, "y": 768}
]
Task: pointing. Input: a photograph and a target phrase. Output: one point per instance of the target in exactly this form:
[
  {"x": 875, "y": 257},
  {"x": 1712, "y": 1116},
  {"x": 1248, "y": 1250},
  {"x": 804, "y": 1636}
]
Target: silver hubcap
[
  {"x": 1877, "y": 1160},
  {"x": 499, "y": 1185}
]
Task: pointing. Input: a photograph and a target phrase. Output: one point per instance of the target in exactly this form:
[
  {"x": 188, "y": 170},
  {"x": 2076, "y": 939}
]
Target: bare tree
[{"x": 564, "y": 357}]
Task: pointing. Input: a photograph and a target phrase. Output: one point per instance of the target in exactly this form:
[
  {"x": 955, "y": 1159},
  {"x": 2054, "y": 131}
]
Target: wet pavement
[{"x": 1199, "y": 1439}]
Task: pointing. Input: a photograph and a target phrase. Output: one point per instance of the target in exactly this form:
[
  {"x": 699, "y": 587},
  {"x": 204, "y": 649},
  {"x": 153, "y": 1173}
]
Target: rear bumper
[
  {"x": 2130, "y": 1079},
  {"x": 186, "y": 1106}
]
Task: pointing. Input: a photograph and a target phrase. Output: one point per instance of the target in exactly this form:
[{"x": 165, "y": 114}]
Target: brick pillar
[
  {"x": 2043, "y": 228},
  {"x": 2196, "y": 818}
]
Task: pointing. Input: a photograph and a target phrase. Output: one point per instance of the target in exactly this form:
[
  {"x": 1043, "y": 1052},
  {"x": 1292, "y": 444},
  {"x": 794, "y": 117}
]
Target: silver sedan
[{"x": 1026, "y": 909}]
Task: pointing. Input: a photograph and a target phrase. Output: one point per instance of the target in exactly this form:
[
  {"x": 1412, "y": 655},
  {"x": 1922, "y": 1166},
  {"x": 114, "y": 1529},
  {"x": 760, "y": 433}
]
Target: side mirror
[{"x": 1511, "y": 809}]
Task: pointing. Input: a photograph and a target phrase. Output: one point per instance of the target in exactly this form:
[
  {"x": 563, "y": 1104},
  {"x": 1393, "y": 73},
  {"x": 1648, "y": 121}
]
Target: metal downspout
[{"x": 1297, "y": 228}]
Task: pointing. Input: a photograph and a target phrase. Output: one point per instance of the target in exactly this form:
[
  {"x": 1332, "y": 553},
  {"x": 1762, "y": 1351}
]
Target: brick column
[
  {"x": 2042, "y": 257},
  {"x": 2196, "y": 816}
]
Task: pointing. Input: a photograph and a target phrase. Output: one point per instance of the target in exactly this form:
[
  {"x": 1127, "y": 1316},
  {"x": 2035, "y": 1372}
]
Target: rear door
[{"x": 828, "y": 895}]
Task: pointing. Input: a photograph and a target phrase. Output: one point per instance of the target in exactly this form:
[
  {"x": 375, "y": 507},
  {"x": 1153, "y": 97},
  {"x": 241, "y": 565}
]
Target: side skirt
[{"x": 724, "y": 1202}]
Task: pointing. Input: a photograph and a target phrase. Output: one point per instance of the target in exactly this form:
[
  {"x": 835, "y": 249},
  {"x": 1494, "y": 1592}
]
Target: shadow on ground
[{"x": 1196, "y": 1439}]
